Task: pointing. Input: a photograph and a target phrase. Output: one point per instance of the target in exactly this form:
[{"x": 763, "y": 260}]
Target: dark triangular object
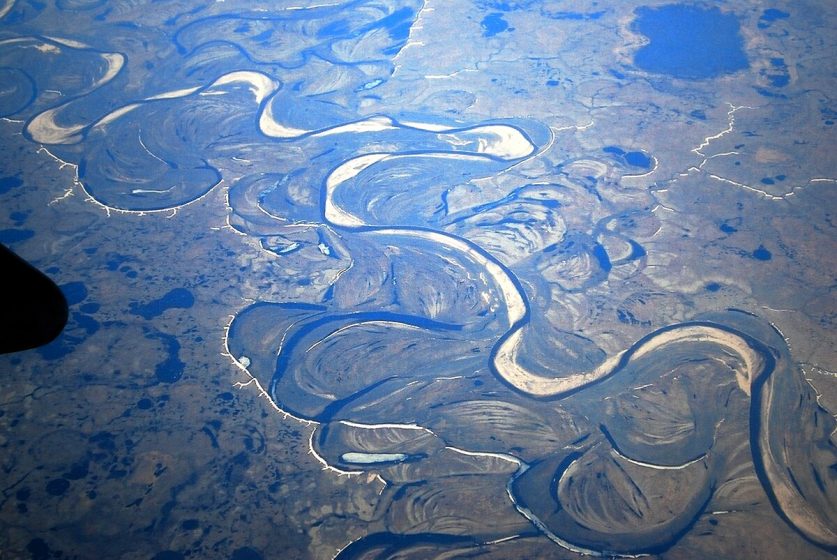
[{"x": 33, "y": 311}]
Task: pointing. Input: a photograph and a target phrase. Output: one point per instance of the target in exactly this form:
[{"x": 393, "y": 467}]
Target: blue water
[
  {"x": 177, "y": 298},
  {"x": 634, "y": 158},
  {"x": 494, "y": 24},
  {"x": 771, "y": 15},
  {"x": 9, "y": 183},
  {"x": 690, "y": 42}
]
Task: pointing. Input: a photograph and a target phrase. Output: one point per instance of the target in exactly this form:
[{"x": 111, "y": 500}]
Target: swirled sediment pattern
[
  {"x": 632, "y": 477},
  {"x": 443, "y": 283}
]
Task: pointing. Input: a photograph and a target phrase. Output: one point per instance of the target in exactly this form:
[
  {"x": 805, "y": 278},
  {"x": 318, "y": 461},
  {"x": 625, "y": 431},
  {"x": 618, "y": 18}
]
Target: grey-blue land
[{"x": 379, "y": 279}]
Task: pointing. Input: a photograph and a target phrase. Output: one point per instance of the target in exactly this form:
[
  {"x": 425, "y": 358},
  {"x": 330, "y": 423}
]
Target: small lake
[{"x": 690, "y": 42}]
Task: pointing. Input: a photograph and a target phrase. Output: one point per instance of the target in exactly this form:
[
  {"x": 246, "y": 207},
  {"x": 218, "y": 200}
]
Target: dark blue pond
[{"x": 689, "y": 42}]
